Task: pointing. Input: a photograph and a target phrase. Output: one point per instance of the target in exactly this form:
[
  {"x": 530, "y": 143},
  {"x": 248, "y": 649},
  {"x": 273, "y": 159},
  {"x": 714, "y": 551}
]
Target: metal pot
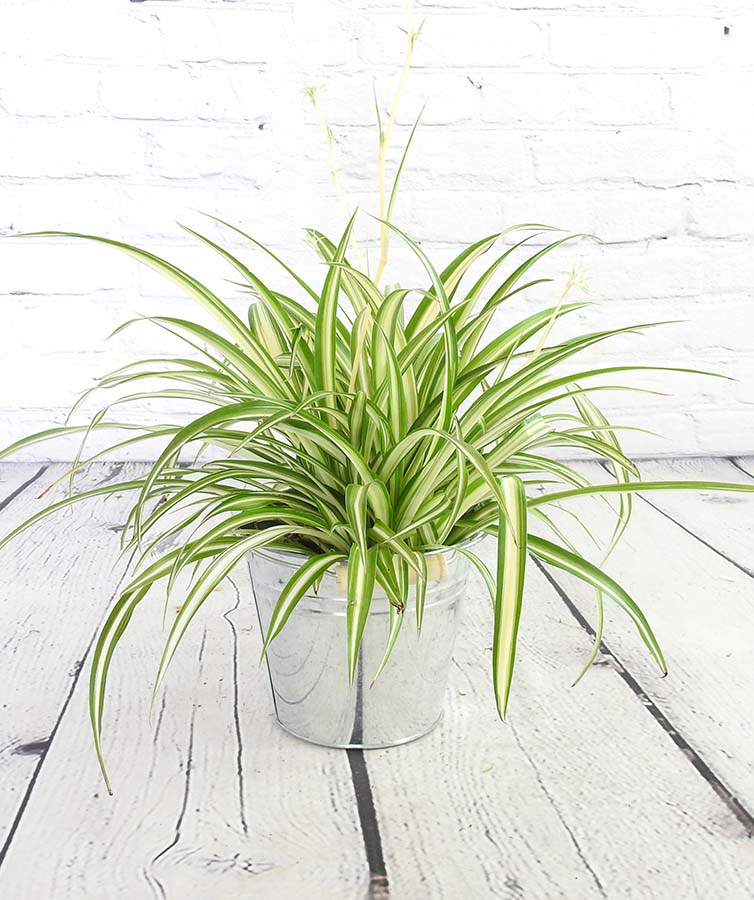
[{"x": 307, "y": 661}]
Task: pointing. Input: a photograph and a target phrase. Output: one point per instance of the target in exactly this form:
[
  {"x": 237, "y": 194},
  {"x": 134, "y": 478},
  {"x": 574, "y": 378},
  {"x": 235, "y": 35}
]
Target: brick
[
  {"x": 230, "y": 33},
  {"x": 79, "y": 148},
  {"x": 672, "y": 268},
  {"x": 122, "y": 31},
  {"x": 73, "y": 372},
  {"x": 49, "y": 89},
  {"x": 182, "y": 151},
  {"x": 696, "y": 328},
  {"x": 636, "y": 42},
  {"x": 241, "y": 94},
  {"x": 320, "y": 36},
  {"x": 58, "y": 267},
  {"x": 647, "y": 156},
  {"x": 148, "y": 92},
  {"x": 188, "y": 34},
  {"x": 615, "y": 215},
  {"x": 723, "y": 432},
  {"x": 442, "y": 215},
  {"x": 743, "y": 371},
  {"x": 673, "y": 425},
  {"x": 67, "y": 204},
  {"x": 711, "y": 100},
  {"x": 41, "y": 325},
  {"x": 246, "y": 36},
  {"x": 722, "y": 211},
  {"x": 149, "y": 213},
  {"x": 557, "y": 100}
]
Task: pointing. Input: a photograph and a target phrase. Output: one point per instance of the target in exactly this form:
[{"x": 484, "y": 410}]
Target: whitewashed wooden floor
[{"x": 627, "y": 786}]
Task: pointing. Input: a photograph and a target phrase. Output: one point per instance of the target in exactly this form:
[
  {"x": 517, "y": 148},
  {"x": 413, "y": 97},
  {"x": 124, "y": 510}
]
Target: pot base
[{"x": 357, "y": 746}]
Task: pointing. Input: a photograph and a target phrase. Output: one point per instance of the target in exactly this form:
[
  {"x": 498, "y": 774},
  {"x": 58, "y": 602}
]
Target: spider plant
[
  {"x": 363, "y": 427},
  {"x": 362, "y": 433}
]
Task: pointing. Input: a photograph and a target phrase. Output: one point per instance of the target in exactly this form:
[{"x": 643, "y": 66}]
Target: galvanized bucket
[{"x": 307, "y": 661}]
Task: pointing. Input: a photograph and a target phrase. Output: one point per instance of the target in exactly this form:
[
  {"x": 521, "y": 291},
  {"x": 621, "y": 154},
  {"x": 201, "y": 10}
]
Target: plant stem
[
  {"x": 384, "y": 137},
  {"x": 575, "y": 279},
  {"x": 335, "y": 176}
]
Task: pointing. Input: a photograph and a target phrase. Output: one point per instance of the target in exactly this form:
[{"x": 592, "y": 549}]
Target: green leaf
[
  {"x": 356, "y": 508},
  {"x": 636, "y": 487},
  {"x": 215, "y": 573},
  {"x": 511, "y": 571},
  {"x": 327, "y": 315},
  {"x": 394, "y": 627},
  {"x": 111, "y": 633},
  {"x": 306, "y": 575},
  {"x": 449, "y": 336},
  {"x": 362, "y": 569},
  {"x": 586, "y": 571}
]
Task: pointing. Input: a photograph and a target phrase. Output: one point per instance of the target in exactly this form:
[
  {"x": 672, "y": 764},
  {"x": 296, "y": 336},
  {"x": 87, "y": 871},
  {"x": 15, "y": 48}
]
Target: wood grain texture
[
  {"x": 724, "y": 521},
  {"x": 586, "y": 792},
  {"x": 579, "y": 794},
  {"x": 701, "y": 607},
  {"x": 57, "y": 581},
  {"x": 211, "y": 798}
]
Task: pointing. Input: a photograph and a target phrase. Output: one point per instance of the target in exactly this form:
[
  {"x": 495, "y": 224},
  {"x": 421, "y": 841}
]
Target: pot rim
[{"x": 290, "y": 556}]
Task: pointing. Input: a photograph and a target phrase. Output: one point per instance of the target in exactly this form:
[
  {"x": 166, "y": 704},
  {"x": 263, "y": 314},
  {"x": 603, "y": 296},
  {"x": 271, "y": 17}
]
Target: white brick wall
[{"x": 631, "y": 118}]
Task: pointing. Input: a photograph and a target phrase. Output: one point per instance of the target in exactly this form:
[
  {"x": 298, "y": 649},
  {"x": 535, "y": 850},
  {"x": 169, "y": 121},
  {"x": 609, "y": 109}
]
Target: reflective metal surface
[{"x": 308, "y": 665}]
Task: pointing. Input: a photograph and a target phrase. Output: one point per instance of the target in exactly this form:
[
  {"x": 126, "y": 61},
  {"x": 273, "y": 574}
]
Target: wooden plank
[
  {"x": 580, "y": 794},
  {"x": 723, "y": 521},
  {"x": 744, "y": 463},
  {"x": 702, "y": 609},
  {"x": 52, "y": 596},
  {"x": 211, "y": 800}
]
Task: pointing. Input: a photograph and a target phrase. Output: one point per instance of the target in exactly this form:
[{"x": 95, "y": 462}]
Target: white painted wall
[{"x": 632, "y": 119}]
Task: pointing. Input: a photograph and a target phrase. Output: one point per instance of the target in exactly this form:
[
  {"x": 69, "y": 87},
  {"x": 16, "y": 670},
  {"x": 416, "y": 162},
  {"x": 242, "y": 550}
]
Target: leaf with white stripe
[
  {"x": 308, "y": 574},
  {"x": 362, "y": 570},
  {"x": 511, "y": 572}
]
